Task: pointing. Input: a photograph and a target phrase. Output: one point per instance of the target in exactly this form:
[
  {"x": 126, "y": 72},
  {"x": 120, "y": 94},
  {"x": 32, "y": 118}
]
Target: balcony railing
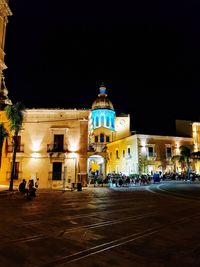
[
  {"x": 17, "y": 176},
  {"x": 97, "y": 147},
  {"x": 55, "y": 176},
  {"x": 20, "y": 149},
  {"x": 151, "y": 156},
  {"x": 56, "y": 148}
]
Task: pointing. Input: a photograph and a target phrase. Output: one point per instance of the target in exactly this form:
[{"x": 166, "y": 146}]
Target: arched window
[
  {"x": 102, "y": 120},
  {"x": 101, "y": 137},
  {"x": 107, "y": 121},
  {"x": 112, "y": 123},
  {"x": 97, "y": 121}
]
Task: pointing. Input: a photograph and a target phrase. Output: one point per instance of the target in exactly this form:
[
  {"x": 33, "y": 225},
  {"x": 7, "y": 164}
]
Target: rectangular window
[
  {"x": 107, "y": 138},
  {"x": 16, "y": 175},
  {"x": 117, "y": 154},
  {"x": 102, "y": 121},
  {"x": 168, "y": 152},
  {"x": 129, "y": 151},
  {"x": 97, "y": 121},
  {"x": 123, "y": 153},
  {"x": 58, "y": 142},
  {"x": 101, "y": 137},
  {"x": 57, "y": 171},
  {"x": 150, "y": 151},
  {"x": 107, "y": 121},
  {"x": 96, "y": 139},
  {"x": 111, "y": 155}
]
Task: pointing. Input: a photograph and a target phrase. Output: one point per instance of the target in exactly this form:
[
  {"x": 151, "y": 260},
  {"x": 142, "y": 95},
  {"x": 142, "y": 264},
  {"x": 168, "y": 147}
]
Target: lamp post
[{"x": 64, "y": 177}]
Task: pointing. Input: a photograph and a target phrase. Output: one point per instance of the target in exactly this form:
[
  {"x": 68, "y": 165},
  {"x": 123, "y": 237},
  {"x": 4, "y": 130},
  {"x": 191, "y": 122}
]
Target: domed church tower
[
  {"x": 102, "y": 123},
  {"x": 101, "y": 132}
]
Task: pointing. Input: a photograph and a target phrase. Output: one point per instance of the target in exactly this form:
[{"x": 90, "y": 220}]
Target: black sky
[{"x": 146, "y": 52}]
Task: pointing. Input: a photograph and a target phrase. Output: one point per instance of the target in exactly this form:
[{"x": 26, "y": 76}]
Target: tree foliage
[{"x": 15, "y": 115}]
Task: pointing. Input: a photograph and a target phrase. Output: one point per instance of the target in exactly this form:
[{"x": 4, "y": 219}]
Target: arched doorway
[{"x": 95, "y": 168}]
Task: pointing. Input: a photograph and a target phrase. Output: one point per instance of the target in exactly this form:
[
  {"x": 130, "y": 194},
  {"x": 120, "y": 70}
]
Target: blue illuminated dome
[
  {"x": 102, "y": 102},
  {"x": 103, "y": 114}
]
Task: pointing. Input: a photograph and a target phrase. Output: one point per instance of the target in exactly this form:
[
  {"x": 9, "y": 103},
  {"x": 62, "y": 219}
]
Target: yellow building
[
  {"x": 196, "y": 140},
  {"x": 52, "y": 146},
  {"x": 139, "y": 153}
]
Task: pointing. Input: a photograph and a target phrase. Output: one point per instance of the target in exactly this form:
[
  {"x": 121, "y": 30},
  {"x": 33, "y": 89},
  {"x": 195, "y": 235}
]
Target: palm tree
[
  {"x": 185, "y": 156},
  {"x": 15, "y": 117},
  {"x": 3, "y": 135}
]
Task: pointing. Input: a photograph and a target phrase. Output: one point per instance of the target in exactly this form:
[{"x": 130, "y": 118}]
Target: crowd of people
[{"x": 29, "y": 190}]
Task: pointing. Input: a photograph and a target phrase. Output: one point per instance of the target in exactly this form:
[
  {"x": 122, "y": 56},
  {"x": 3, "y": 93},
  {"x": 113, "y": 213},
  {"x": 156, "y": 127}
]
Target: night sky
[{"x": 147, "y": 54}]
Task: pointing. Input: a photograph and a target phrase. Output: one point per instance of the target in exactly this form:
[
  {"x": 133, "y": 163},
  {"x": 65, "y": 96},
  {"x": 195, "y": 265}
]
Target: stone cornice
[
  {"x": 4, "y": 9},
  {"x": 2, "y": 65}
]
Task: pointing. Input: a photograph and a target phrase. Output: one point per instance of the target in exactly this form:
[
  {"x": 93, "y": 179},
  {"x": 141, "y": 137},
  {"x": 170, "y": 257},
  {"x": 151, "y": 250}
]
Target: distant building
[
  {"x": 196, "y": 142},
  {"x": 145, "y": 154}
]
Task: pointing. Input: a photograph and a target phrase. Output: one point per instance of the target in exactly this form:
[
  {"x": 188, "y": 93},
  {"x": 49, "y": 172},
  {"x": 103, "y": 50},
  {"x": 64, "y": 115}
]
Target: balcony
[
  {"x": 97, "y": 147},
  {"x": 56, "y": 148},
  {"x": 20, "y": 149},
  {"x": 151, "y": 156}
]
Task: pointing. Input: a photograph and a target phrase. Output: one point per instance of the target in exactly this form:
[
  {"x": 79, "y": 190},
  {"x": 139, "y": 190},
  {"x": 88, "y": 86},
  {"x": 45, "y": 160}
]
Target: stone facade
[
  {"x": 4, "y": 13},
  {"x": 52, "y": 146}
]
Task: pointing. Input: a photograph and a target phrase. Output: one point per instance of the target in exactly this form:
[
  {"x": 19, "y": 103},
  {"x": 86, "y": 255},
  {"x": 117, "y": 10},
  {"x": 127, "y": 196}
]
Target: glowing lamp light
[
  {"x": 73, "y": 145},
  {"x": 36, "y": 145}
]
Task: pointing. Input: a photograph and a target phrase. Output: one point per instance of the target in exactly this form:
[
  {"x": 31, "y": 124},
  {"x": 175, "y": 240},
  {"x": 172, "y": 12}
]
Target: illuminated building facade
[
  {"x": 196, "y": 140},
  {"x": 139, "y": 154},
  {"x": 4, "y": 13},
  {"x": 52, "y": 146}
]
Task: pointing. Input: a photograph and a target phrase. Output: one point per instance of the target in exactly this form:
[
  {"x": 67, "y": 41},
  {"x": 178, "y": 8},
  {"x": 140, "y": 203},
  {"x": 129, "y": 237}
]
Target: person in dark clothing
[{"x": 22, "y": 186}]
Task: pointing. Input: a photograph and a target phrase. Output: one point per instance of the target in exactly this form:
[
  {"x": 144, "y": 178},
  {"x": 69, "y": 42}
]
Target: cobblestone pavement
[{"x": 151, "y": 226}]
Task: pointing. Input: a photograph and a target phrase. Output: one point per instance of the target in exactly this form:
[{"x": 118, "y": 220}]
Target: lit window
[
  {"x": 107, "y": 122},
  {"x": 112, "y": 123},
  {"x": 102, "y": 121},
  {"x": 97, "y": 121}
]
